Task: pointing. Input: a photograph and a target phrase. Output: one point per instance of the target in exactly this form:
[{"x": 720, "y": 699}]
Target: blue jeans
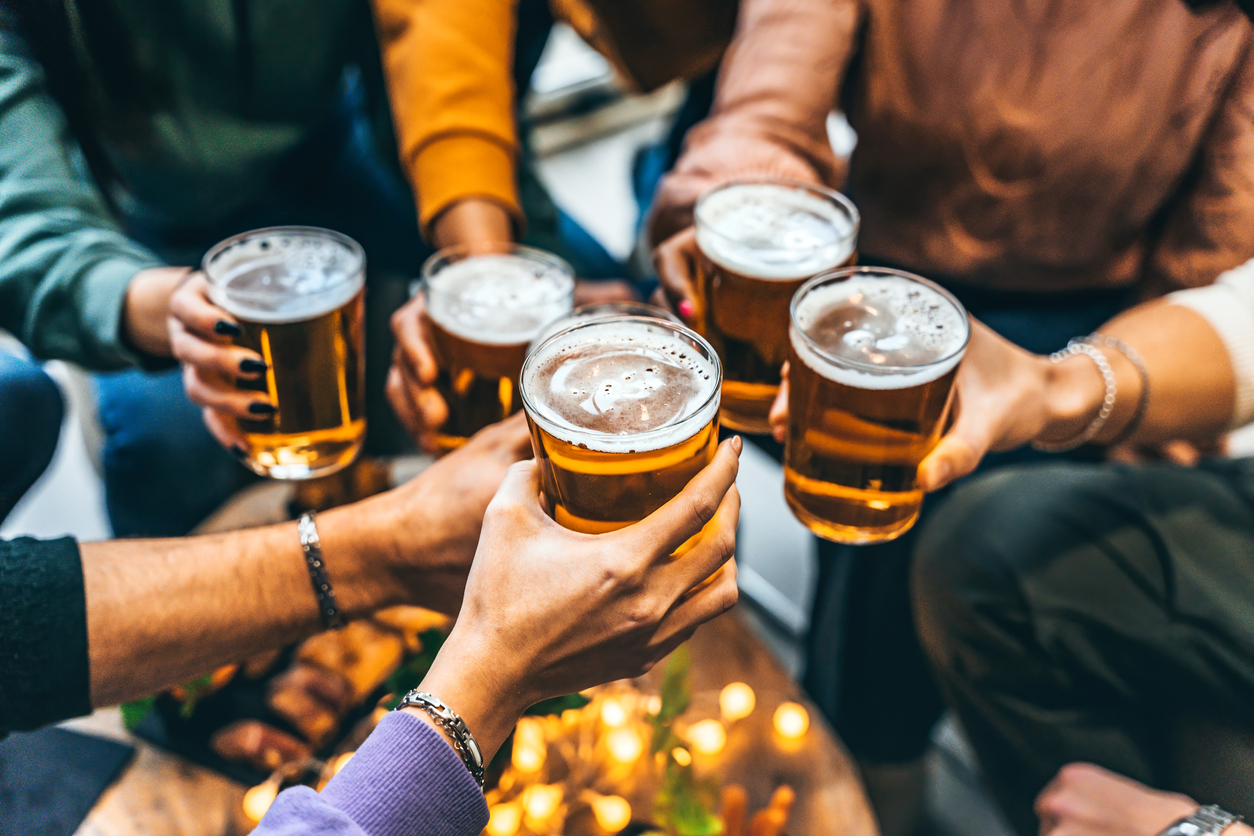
[{"x": 30, "y": 424}]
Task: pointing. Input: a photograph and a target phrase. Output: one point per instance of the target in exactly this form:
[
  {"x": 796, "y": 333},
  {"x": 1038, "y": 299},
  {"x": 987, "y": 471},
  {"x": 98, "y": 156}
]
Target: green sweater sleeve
[
  {"x": 64, "y": 263},
  {"x": 44, "y": 668}
]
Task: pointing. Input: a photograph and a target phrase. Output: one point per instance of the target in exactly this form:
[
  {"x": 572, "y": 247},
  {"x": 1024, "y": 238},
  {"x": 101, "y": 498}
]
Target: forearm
[
  {"x": 161, "y": 612},
  {"x": 473, "y": 221}
]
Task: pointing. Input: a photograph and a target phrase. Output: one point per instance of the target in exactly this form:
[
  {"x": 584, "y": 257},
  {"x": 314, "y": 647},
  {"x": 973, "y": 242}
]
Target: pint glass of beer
[
  {"x": 297, "y": 294},
  {"x": 623, "y": 413},
  {"x": 484, "y": 306},
  {"x": 873, "y": 358},
  {"x": 758, "y": 243}
]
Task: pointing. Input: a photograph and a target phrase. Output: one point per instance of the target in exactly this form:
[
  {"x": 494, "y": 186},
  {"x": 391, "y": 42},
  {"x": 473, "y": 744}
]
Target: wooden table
[{"x": 160, "y": 794}]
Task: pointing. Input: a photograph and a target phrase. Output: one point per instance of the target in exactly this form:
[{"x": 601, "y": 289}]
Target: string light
[
  {"x": 540, "y": 801},
  {"x": 612, "y": 812},
  {"x": 612, "y": 713},
  {"x": 708, "y": 737},
  {"x": 624, "y": 745},
  {"x": 791, "y": 720},
  {"x": 258, "y": 799},
  {"x": 682, "y": 756},
  {"x": 530, "y": 749},
  {"x": 341, "y": 762},
  {"x": 736, "y": 701},
  {"x": 504, "y": 819}
]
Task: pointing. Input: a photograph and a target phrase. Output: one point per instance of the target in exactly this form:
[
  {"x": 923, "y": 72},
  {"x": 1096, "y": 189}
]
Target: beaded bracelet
[
  {"x": 1138, "y": 362},
  {"x": 1108, "y": 402}
]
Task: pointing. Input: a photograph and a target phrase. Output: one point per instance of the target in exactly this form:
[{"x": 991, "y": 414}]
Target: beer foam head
[
  {"x": 621, "y": 385},
  {"x": 771, "y": 231},
  {"x": 284, "y": 274},
  {"x": 499, "y": 299},
  {"x": 890, "y": 331}
]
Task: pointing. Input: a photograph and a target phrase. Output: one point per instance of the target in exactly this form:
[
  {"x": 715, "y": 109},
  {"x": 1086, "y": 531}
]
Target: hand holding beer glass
[
  {"x": 295, "y": 294},
  {"x": 756, "y": 242},
  {"x": 483, "y": 308},
  {"x": 623, "y": 413},
  {"x": 874, "y": 353}
]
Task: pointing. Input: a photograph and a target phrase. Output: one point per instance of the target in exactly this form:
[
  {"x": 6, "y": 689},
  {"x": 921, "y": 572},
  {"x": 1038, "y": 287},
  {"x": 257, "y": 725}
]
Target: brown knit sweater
[{"x": 1017, "y": 144}]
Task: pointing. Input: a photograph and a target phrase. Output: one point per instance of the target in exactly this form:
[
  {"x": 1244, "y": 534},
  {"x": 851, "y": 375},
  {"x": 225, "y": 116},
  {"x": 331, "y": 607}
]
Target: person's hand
[
  {"x": 410, "y": 383},
  {"x": 1086, "y": 800},
  {"x": 146, "y": 309},
  {"x": 675, "y": 261},
  {"x": 430, "y": 525},
  {"x": 549, "y": 611},
  {"x": 1004, "y": 397},
  {"x": 214, "y": 368}
]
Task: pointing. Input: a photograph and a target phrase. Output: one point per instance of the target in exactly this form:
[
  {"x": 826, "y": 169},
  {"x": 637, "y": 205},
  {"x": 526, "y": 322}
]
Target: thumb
[
  {"x": 957, "y": 455},
  {"x": 779, "y": 408},
  {"x": 519, "y": 490}
]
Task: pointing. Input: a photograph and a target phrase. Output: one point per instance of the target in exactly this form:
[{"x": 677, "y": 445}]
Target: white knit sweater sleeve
[{"x": 1228, "y": 305}]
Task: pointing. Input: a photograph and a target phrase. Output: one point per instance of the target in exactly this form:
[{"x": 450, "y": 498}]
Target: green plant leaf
[{"x": 134, "y": 712}]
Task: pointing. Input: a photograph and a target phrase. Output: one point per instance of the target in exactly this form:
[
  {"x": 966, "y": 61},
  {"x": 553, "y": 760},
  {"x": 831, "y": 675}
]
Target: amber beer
[
  {"x": 758, "y": 243},
  {"x": 483, "y": 309},
  {"x": 297, "y": 294},
  {"x": 623, "y": 413},
  {"x": 874, "y": 354}
]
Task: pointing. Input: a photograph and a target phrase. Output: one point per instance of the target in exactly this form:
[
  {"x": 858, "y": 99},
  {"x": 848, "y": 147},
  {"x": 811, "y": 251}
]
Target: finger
[
  {"x": 958, "y": 453},
  {"x": 709, "y": 602},
  {"x": 511, "y": 436},
  {"x": 519, "y": 493},
  {"x": 228, "y": 361},
  {"x": 191, "y": 306},
  {"x": 779, "y": 408},
  {"x": 252, "y": 741},
  {"x": 400, "y": 397},
  {"x": 604, "y": 292},
  {"x": 226, "y": 431},
  {"x": 674, "y": 260},
  {"x": 714, "y": 546},
  {"x": 219, "y": 394},
  {"x": 1182, "y": 453},
  {"x": 412, "y": 340},
  {"x": 670, "y": 526}
]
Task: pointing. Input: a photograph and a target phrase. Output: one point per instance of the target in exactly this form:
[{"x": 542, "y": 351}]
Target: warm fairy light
[
  {"x": 654, "y": 705},
  {"x": 504, "y": 819},
  {"x": 612, "y": 713},
  {"x": 341, "y": 762},
  {"x": 736, "y": 701},
  {"x": 708, "y": 737},
  {"x": 258, "y": 799},
  {"x": 681, "y": 755},
  {"x": 624, "y": 744},
  {"x": 530, "y": 750},
  {"x": 791, "y": 720},
  {"x": 612, "y": 812},
  {"x": 540, "y": 801}
]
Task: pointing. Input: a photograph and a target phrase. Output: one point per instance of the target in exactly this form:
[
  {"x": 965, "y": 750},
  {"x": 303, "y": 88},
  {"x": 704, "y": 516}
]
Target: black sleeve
[{"x": 43, "y": 634}]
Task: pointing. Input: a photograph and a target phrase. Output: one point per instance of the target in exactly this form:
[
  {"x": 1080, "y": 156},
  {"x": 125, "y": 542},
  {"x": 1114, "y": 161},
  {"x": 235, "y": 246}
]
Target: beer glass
[
  {"x": 604, "y": 310},
  {"x": 484, "y": 306},
  {"x": 623, "y": 413},
  {"x": 297, "y": 294},
  {"x": 758, "y": 242},
  {"x": 873, "y": 358}
]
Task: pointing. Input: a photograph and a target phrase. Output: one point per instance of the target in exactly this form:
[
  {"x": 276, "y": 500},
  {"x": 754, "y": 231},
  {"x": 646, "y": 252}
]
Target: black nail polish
[
  {"x": 238, "y": 452},
  {"x": 226, "y": 329},
  {"x": 251, "y": 366},
  {"x": 259, "y": 408}
]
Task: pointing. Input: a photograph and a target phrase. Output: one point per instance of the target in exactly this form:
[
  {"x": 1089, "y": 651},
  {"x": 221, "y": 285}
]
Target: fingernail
[
  {"x": 260, "y": 408},
  {"x": 238, "y": 452},
  {"x": 251, "y": 366},
  {"x": 687, "y": 309},
  {"x": 226, "y": 329},
  {"x": 738, "y": 444}
]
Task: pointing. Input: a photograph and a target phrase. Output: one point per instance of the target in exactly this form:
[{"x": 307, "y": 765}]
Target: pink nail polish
[{"x": 686, "y": 309}]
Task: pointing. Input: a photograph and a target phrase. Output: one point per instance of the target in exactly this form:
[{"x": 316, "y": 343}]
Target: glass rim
[
  {"x": 831, "y": 195},
  {"x": 846, "y": 272},
  {"x": 625, "y": 308},
  {"x": 651, "y": 321},
  {"x": 456, "y": 253},
  {"x": 355, "y": 249}
]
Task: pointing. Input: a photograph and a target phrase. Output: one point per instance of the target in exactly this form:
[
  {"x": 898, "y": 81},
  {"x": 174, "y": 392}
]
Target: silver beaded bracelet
[
  {"x": 1138, "y": 362},
  {"x": 1108, "y": 403}
]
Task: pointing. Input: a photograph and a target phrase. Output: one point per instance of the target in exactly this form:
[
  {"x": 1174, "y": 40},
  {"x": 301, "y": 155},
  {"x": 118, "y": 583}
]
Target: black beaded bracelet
[{"x": 332, "y": 618}]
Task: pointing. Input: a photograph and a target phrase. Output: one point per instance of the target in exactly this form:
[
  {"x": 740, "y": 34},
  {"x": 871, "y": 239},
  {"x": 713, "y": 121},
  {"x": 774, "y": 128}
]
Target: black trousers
[{"x": 1098, "y": 613}]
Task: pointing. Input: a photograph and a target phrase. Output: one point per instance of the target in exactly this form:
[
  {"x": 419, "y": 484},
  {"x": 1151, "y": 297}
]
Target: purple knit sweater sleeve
[{"x": 403, "y": 781}]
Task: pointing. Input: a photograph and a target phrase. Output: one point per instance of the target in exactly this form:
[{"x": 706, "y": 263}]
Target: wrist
[
  {"x": 356, "y": 548},
  {"x": 1073, "y": 393},
  {"x": 147, "y": 307},
  {"x": 473, "y": 221}
]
